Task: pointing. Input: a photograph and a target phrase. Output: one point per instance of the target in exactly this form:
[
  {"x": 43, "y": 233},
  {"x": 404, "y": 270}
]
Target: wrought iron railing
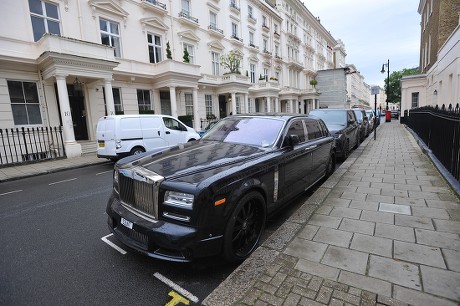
[
  {"x": 25, "y": 145},
  {"x": 439, "y": 128}
]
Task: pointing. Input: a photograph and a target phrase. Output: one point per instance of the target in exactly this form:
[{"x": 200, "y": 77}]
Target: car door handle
[
  {"x": 158, "y": 133},
  {"x": 311, "y": 148}
]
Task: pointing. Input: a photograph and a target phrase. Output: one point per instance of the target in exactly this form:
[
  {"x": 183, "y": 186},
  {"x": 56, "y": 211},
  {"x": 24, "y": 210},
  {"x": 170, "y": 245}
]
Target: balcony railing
[
  {"x": 253, "y": 46},
  {"x": 213, "y": 27},
  {"x": 234, "y": 6},
  {"x": 252, "y": 19},
  {"x": 236, "y": 37},
  {"x": 157, "y": 3},
  {"x": 186, "y": 15}
]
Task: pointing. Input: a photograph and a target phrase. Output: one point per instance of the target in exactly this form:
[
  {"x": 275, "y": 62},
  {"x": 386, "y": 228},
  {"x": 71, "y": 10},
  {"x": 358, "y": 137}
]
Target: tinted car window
[
  {"x": 313, "y": 129},
  {"x": 331, "y": 117},
  {"x": 296, "y": 128},
  {"x": 261, "y": 132},
  {"x": 351, "y": 116},
  {"x": 173, "y": 124}
]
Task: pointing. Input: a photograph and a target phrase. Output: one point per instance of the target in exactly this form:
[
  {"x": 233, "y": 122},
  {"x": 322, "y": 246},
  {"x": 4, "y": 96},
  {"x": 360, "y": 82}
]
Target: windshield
[
  {"x": 359, "y": 114},
  {"x": 331, "y": 117},
  {"x": 257, "y": 131}
]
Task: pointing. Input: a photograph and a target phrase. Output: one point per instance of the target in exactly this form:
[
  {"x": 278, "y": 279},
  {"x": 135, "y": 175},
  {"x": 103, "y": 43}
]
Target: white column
[
  {"x": 172, "y": 97},
  {"x": 156, "y": 101},
  {"x": 233, "y": 103},
  {"x": 268, "y": 101},
  {"x": 277, "y": 105},
  {"x": 72, "y": 148},
  {"x": 196, "y": 117},
  {"x": 109, "y": 104},
  {"x": 291, "y": 105}
]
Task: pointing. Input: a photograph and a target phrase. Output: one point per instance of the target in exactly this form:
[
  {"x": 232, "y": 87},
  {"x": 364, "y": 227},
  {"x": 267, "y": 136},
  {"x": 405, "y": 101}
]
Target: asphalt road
[{"x": 57, "y": 249}]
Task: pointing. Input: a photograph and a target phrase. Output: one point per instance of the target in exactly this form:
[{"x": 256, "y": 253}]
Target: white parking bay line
[
  {"x": 104, "y": 172},
  {"x": 176, "y": 287},
  {"x": 64, "y": 181},
  {"x": 113, "y": 245},
  {"x": 10, "y": 192}
]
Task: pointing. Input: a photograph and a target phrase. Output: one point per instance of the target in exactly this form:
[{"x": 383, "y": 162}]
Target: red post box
[{"x": 388, "y": 116}]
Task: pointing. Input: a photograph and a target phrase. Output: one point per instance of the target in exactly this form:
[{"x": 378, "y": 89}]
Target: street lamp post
[{"x": 388, "y": 79}]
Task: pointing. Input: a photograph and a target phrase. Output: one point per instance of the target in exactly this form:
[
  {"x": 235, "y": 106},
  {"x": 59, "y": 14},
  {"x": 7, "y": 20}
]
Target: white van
[{"x": 122, "y": 135}]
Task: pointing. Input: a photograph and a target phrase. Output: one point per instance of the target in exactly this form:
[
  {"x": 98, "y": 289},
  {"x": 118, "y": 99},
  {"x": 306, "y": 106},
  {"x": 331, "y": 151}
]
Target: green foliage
[
  {"x": 168, "y": 51},
  {"x": 394, "y": 90},
  {"x": 313, "y": 82},
  {"x": 232, "y": 61},
  {"x": 186, "y": 56}
]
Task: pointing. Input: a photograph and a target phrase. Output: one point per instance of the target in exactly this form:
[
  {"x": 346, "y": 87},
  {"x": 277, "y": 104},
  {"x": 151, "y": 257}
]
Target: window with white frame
[
  {"x": 117, "y": 100},
  {"x": 265, "y": 45},
  {"x": 110, "y": 35},
  {"x": 264, "y": 21},
  {"x": 212, "y": 20},
  {"x": 24, "y": 102},
  {"x": 143, "y": 100},
  {"x": 208, "y": 104},
  {"x": 191, "y": 52},
  {"x": 215, "y": 63},
  {"x": 155, "y": 48},
  {"x": 266, "y": 73},
  {"x": 415, "y": 99},
  {"x": 250, "y": 12},
  {"x": 188, "y": 104},
  {"x": 44, "y": 17},
  {"x": 277, "y": 50},
  {"x": 252, "y": 72},
  {"x": 238, "y": 105},
  {"x": 251, "y": 38},
  {"x": 186, "y": 7},
  {"x": 276, "y": 28},
  {"x": 234, "y": 30}
]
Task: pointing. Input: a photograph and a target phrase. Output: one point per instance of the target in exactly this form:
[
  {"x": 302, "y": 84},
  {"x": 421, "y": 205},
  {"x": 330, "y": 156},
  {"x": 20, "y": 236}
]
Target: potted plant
[
  {"x": 313, "y": 82},
  {"x": 168, "y": 51}
]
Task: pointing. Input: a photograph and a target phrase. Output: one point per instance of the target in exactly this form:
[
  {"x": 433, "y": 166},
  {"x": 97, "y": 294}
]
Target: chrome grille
[{"x": 139, "y": 191}]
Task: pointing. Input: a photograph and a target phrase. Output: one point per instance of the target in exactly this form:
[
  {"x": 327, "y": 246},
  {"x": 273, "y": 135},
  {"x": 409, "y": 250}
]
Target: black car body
[
  {"x": 363, "y": 122},
  {"x": 395, "y": 113},
  {"x": 212, "y": 196},
  {"x": 343, "y": 125}
]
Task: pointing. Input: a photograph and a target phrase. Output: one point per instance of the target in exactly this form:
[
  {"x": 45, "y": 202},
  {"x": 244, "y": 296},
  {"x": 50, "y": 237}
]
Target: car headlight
[
  {"x": 117, "y": 144},
  {"x": 179, "y": 199}
]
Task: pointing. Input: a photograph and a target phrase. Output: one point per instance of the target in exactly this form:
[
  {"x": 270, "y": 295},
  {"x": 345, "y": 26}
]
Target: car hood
[{"x": 184, "y": 160}]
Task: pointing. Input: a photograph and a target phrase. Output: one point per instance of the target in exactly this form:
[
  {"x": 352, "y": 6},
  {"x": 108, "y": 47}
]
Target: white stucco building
[{"x": 69, "y": 62}]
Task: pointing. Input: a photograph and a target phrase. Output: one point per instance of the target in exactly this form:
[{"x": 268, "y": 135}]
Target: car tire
[
  {"x": 330, "y": 168},
  {"x": 244, "y": 228},
  {"x": 137, "y": 151}
]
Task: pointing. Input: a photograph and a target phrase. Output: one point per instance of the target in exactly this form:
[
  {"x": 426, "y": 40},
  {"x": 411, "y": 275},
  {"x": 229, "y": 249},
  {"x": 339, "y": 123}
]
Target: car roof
[{"x": 283, "y": 116}]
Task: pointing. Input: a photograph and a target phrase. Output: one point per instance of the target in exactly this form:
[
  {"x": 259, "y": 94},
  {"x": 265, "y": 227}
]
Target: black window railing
[
  {"x": 186, "y": 15},
  {"x": 214, "y": 27},
  {"x": 25, "y": 145}
]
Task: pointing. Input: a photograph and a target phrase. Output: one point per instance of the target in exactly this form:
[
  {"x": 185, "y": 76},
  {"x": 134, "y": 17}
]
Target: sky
[{"x": 373, "y": 31}]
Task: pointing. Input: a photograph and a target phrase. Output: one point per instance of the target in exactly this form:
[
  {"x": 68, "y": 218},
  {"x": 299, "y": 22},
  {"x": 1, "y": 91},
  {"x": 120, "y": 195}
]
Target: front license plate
[
  {"x": 127, "y": 223},
  {"x": 101, "y": 145}
]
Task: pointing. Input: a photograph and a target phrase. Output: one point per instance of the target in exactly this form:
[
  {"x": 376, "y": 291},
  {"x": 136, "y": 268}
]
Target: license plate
[
  {"x": 127, "y": 223},
  {"x": 101, "y": 145}
]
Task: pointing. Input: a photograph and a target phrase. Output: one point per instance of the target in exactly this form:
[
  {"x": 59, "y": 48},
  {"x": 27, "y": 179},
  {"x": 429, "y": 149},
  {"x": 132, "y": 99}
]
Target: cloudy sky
[{"x": 373, "y": 32}]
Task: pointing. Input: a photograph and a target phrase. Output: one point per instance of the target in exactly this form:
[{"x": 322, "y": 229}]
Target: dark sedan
[
  {"x": 363, "y": 122},
  {"x": 343, "y": 125},
  {"x": 213, "y": 196}
]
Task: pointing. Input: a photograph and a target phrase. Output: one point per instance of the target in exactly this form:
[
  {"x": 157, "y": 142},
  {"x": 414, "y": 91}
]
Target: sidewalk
[
  {"x": 384, "y": 229},
  {"x": 21, "y": 171}
]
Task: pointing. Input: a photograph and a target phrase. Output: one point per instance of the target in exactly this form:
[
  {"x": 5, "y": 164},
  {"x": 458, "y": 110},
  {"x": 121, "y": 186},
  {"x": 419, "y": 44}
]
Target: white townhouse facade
[{"x": 69, "y": 62}]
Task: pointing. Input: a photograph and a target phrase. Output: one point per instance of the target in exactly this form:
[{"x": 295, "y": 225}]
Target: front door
[
  {"x": 222, "y": 107},
  {"x": 77, "y": 108}
]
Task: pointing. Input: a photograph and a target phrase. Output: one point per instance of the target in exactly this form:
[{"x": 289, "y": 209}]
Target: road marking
[
  {"x": 10, "y": 192},
  {"x": 176, "y": 287},
  {"x": 104, "y": 172},
  {"x": 176, "y": 299},
  {"x": 64, "y": 181},
  {"x": 113, "y": 245}
]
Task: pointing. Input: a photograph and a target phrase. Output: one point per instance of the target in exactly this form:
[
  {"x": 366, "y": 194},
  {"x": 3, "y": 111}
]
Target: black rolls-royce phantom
[{"x": 212, "y": 196}]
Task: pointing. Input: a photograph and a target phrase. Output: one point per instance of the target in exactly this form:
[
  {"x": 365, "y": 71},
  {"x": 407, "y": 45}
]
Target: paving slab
[
  {"x": 333, "y": 237},
  {"x": 415, "y": 222},
  {"x": 415, "y": 297},
  {"x": 364, "y": 205},
  {"x": 395, "y": 232},
  {"x": 441, "y": 282},
  {"x": 402, "y": 273},
  {"x": 372, "y": 245},
  {"x": 306, "y": 249},
  {"x": 346, "y": 259},
  {"x": 395, "y": 208},
  {"x": 452, "y": 258},
  {"x": 418, "y": 253},
  {"x": 438, "y": 239},
  {"x": 357, "y": 226},
  {"x": 366, "y": 283},
  {"x": 447, "y": 226},
  {"x": 377, "y": 216}
]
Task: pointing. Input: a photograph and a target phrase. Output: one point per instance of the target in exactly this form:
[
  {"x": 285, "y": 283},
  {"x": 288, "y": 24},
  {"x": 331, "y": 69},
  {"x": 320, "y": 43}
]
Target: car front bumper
[{"x": 159, "y": 239}]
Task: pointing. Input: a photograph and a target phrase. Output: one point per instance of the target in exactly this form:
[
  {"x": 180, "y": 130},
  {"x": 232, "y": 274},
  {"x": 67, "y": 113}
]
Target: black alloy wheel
[{"x": 245, "y": 227}]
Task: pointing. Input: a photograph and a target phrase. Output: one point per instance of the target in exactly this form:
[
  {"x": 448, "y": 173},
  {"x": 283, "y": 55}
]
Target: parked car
[
  {"x": 395, "y": 113},
  {"x": 122, "y": 135},
  {"x": 213, "y": 196},
  {"x": 363, "y": 122},
  {"x": 372, "y": 122},
  {"x": 343, "y": 125}
]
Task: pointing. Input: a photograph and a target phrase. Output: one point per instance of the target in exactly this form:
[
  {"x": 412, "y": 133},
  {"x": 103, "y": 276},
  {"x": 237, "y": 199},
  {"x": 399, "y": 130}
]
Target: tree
[
  {"x": 232, "y": 61},
  {"x": 186, "y": 56},
  {"x": 394, "y": 91},
  {"x": 168, "y": 51}
]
